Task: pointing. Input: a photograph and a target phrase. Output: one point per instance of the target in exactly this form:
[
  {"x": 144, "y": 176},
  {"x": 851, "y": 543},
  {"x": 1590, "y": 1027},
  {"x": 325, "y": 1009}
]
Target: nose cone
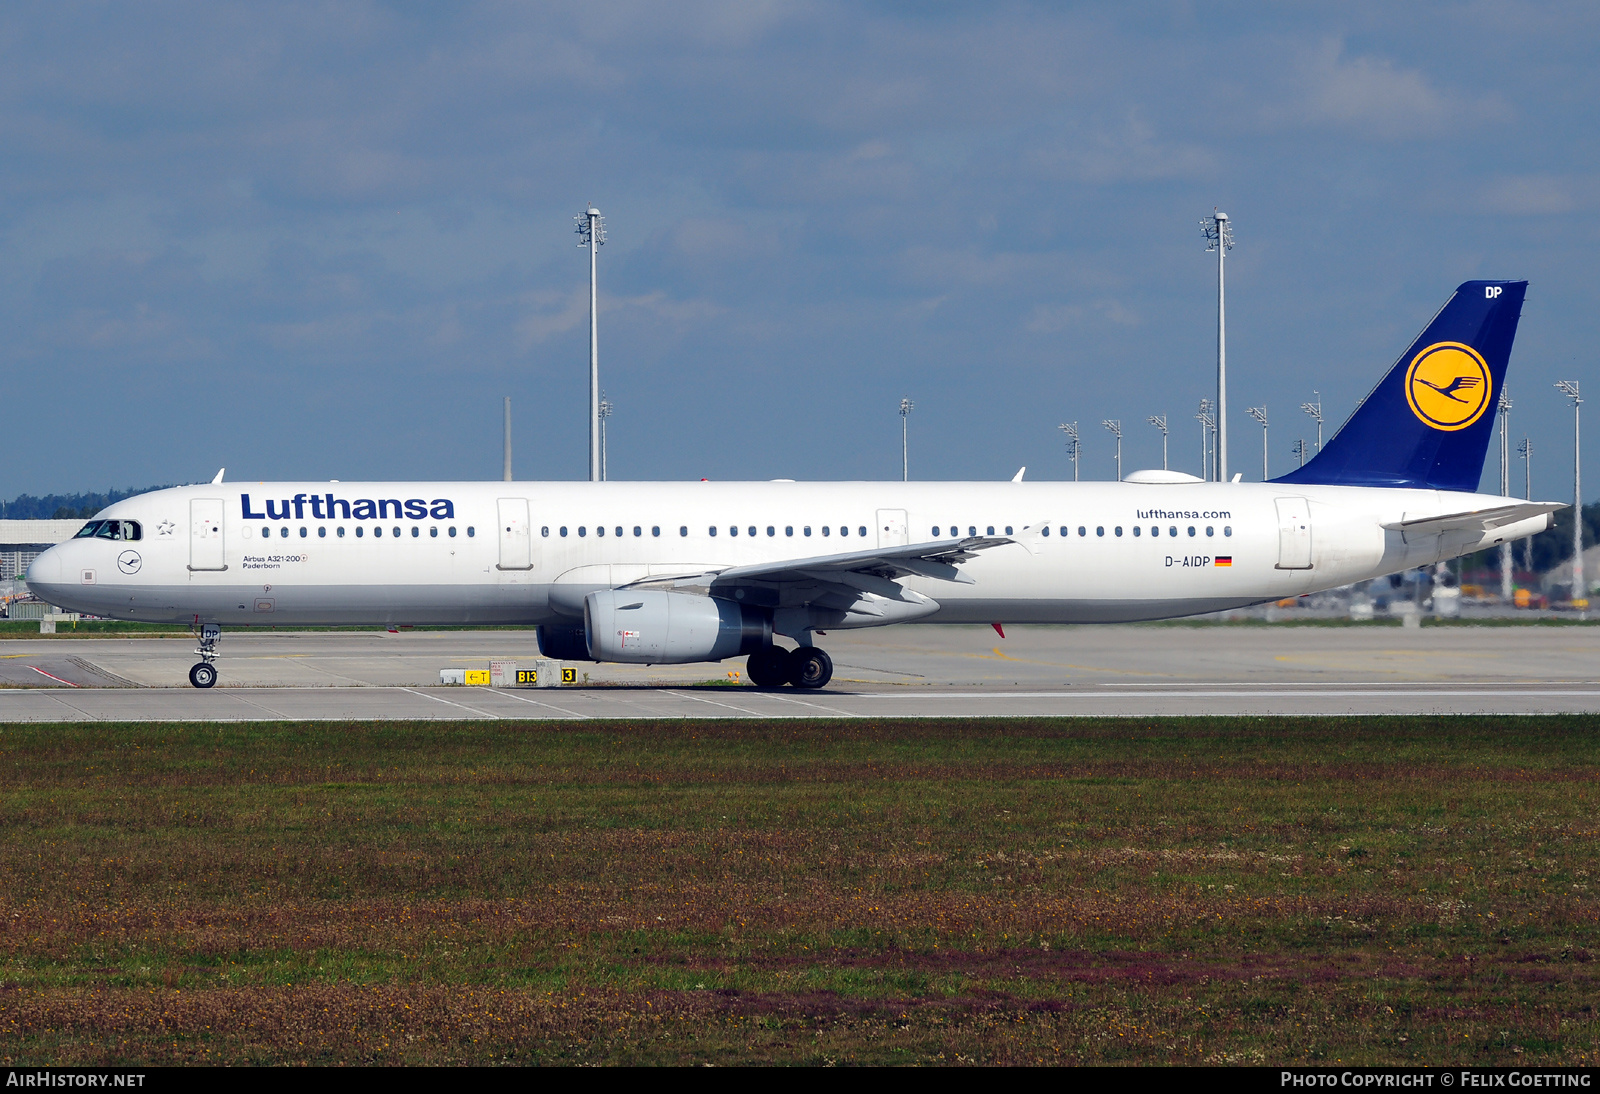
[{"x": 45, "y": 570}]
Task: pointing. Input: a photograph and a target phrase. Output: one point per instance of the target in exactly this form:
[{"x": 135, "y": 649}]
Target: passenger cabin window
[
  {"x": 396, "y": 533},
  {"x": 322, "y": 532},
  {"x": 1135, "y": 530},
  {"x": 434, "y": 531},
  {"x": 788, "y": 529},
  {"x": 452, "y": 531},
  {"x": 283, "y": 533},
  {"x": 824, "y": 529},
  {"x": 683, "y": 529},
  {"x": 358, "y": 531},
  {"x": 341, "y": 531},
  {"x": 637, "y": 531},
  {"x": 545, "y": 531},
  {"x": 302, "y": 532},
  {"x": 415, "y": 532},
  {"x": 1082, "y": 531},
  {"x": 861, "y": 531},
  {"x": 713, "y": 529},
  {"x": 807, "y": 530},
  {"x": 655, "y": 529},
  {"x": 471, "y": 531}
]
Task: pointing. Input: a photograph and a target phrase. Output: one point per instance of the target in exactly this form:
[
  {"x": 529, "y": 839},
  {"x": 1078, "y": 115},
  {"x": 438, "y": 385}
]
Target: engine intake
[{"x": 662, "y": 628}]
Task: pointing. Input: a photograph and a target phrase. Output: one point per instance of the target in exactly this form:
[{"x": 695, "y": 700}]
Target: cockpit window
[
  {"x": 88, "y": 530},
  {"x": 112, "y": 529}
]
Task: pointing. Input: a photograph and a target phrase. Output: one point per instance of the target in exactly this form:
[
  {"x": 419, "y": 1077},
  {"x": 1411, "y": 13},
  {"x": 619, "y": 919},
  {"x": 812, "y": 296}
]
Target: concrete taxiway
[{"x": 927, "y": 671}]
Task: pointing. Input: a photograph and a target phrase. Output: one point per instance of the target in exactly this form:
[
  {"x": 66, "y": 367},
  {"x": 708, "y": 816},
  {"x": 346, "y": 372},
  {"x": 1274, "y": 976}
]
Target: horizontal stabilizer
[{"x": 1475, "y": 520}]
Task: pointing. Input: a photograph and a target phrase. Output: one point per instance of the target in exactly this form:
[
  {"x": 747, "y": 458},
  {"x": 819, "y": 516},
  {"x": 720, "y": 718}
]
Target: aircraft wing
[
  {"x": 858, "y": 583},
  {"x": 1475, "y": 520}
]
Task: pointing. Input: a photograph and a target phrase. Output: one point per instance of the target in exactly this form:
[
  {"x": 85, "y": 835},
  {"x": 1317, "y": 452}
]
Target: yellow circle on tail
[{"x": 1448, "y": 386}]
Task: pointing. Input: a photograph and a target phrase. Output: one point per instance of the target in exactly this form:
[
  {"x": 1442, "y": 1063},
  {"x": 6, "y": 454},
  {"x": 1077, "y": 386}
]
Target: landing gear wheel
[
  {"x": 203, "y": 675},
  {"x": 810, "y": 668},
  {"x": 768, "y": 667}
]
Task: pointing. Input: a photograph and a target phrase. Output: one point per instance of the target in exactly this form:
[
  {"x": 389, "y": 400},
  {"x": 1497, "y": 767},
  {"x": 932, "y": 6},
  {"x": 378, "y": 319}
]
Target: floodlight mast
[
  {"x": 1299, "y": 450},
  {"x": 592, "y": 234},
  {"x": 1160, "y": 422},
  {"x": 1259, "y": 413},
  {"x": 1504, "y": 407},
  {"x": 1525, "y": 449},
  {"x": 1114, "y": 426},
  {"x": 508, "y": 439},
  {"x": 605, "y": 412},
  {"x": 1315, "y": 410},
  {"x": 1220, "y": 236},
  {"x": 906, "y": 407},
  {"x": 1071, "y": 430},
  {"x": 1203, "y": 416},
  {"x": 1580, "y": 594}
]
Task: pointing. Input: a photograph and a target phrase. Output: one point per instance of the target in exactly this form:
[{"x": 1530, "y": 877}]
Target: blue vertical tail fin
[{"x": 1427, "y": 423}]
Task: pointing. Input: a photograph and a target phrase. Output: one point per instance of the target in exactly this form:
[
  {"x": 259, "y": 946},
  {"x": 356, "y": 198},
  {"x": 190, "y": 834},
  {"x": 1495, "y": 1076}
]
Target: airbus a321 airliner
[{"x": 670, "y": 573}]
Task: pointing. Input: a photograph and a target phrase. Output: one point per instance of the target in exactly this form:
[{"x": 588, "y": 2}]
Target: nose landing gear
[
  {"x": 204, "y": 674},
  {"x": 806, "y": 667}
]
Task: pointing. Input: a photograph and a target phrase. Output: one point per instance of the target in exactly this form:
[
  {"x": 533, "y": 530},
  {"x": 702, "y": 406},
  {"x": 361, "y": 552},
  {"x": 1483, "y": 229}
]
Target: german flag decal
[{"x": 1224, "y": 560}]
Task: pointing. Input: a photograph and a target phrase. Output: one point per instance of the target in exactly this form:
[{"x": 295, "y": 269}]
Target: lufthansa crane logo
[{"x": 1448, "y": 386}]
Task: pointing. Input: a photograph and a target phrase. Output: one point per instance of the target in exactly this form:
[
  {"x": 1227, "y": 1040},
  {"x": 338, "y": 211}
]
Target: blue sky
[{"x": 324, "y": 240}]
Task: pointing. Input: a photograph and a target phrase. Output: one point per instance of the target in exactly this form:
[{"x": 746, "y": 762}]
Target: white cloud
[{"x": 1373, "y": 96}]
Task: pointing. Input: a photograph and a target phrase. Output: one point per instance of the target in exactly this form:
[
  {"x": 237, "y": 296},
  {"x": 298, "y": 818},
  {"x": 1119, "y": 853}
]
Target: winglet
[
  {"x": 1018, "y": 476},
  {"x": 218, "y": 479}
]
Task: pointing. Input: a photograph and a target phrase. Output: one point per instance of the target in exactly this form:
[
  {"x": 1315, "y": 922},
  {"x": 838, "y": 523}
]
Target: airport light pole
[
  {"x": 1315, "y": 410},
  {"x": 1114, "y": 426},
  {"x": 906, "y": 406},
  {"x": 1526, "y": 451},
  {"x": 1160, "y": 422},
  {"x": 1203, "y": 416},
  {"x": 1504, "y": 407},
  {"x": 1299, "y": 450},
  {"x": 1580, "y": 593},
  {"x": 1071, "y": 430},
  {"x": 1259, "y": 413},
  {"x": 508, "y": 439},
  {"x": 1219, "y": 233},
  {"x": 592, "y": 234},
  {"x": 605, "y": 412}
]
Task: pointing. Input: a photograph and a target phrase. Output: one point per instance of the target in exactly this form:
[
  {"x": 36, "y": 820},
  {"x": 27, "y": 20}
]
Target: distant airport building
[{"x": 22, "y": 541}]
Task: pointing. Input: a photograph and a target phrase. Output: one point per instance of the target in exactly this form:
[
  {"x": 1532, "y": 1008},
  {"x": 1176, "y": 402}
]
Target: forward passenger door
[{"x": 206, "y": 547}]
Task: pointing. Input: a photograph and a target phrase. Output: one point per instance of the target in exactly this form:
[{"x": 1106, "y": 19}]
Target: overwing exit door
[
  {"x": 516, "y": 543},
  {"x": 891, "y": 528}
]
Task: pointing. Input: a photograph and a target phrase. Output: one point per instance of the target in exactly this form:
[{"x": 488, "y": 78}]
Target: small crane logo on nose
[{"x": 129, "y": 562}]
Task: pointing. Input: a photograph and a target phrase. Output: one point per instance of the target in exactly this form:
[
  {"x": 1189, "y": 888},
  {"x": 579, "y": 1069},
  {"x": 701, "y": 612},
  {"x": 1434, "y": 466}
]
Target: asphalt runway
[{"x": 927, "y": 671}]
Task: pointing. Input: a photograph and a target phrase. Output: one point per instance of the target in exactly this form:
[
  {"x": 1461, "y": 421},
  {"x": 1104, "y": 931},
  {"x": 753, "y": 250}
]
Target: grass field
[{"x": 1256, "y": 891}]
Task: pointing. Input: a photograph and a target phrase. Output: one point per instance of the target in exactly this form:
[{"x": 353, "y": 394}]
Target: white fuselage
[{"x": 454, "y": 553}]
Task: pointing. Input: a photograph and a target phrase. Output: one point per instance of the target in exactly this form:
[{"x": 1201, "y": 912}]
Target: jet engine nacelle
[{"x": 662, "y": 628}]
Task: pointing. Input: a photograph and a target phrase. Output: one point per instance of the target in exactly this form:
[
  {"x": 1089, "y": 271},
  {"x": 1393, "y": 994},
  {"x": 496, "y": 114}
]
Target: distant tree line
[{"x": 64, "y": 506}]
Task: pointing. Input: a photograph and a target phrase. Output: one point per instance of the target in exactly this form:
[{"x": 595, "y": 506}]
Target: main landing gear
[
  {"x": 204, "y": 674},
  {"x": 806, "y": 667}
]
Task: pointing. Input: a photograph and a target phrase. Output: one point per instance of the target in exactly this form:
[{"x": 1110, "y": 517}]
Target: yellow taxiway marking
[{"x": 1058, "y": 665}]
